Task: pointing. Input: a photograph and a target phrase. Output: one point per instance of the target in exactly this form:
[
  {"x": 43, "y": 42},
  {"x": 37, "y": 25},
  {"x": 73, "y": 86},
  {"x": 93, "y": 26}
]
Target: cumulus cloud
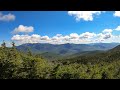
[
  {"x": 117, "y": 14},
  {"x": 83, "y": 38},
  {"x": 107, "y": 31},
  {"x": 45, "y": 38},
  {"x": 26, "y": 38},
  {"x": 74, "y": 36},
  {"x": 23, "y": 29},
  {"x": 87, "y": 35},
  {"x": 20, "y": 37},
  {"x": 7, "y": 17},
  {"x": 67, "y": 38},
  {"x": 84, "y": 15},
  {"x": 107, "y": 36},
  {"x": 59, "y": 35},
  {"x": 57, "y": 39},
  {"x": 118, "y": 28}
]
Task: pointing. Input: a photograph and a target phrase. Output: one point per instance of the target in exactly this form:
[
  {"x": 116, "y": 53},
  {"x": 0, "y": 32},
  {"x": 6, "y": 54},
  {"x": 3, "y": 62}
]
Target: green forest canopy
[{"x": 17, "y": 65}]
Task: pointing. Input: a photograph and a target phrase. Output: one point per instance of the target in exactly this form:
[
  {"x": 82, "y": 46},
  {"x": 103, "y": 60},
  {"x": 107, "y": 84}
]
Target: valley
[{"x": 51, "y": 51}]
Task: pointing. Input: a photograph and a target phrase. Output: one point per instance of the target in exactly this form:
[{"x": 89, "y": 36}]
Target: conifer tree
[
  {"x": 13, "y": 44},
  {"x": 29, "y": 52},
  {"x": 4, "y": 44}
]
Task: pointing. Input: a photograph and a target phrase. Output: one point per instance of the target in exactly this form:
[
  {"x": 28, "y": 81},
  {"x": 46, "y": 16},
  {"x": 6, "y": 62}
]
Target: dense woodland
[{"x": 18, "y": 65}]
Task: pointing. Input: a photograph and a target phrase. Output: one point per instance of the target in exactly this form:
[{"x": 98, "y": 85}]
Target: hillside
[
  {"x": 65, "y": 49},
  {"x": 86, "y": 53},
  {"x": 94, "y": 65},
  {"x": 95, "y": 56},
  {"x": 98, "y": 65},
  {"x": 49, "y": 56}
]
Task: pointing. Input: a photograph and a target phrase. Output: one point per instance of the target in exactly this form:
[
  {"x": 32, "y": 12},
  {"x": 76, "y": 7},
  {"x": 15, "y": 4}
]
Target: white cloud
[
  {"x": 118, "y": 28},
  {"x": 117, "y": 14},
  {"x": 104, "y": 36},
  {"x": 74, "y": 35},
  {"x": 85, "y": 15},
  {"x": 20, "y": 37},
  {"x": 45, "y": 38},
  {"x": 26, "y": 38},
  {"x": 107, "y": 31},
  {"x": 67, "y": 38},
  {"x": 87, "y": 35},
  {"x": 59, "y": 35},
  {"x": 23, "y": 29},
  {"x": 107, "y": 36},
  {"x": 83, "y": 38},
  {"x": 8, "y": 17},
  {"x": 57, "y": 39}
]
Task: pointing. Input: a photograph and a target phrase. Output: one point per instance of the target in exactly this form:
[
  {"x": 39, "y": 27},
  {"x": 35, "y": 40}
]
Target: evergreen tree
[
  {"x": 29, "y": 53},
  {"x": 4, "y": 44},
  {"x": 13, "y": 44}
]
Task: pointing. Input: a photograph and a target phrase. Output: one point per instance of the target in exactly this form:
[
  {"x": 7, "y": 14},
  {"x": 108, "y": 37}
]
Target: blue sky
[{"x": 58, "y": 27}]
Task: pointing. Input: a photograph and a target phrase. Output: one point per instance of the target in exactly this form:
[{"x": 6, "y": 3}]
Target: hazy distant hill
[
  {"x": 94, "y": 56},
  {"x": 51, "y": 51},
  {"x": 66, "y": 48}
]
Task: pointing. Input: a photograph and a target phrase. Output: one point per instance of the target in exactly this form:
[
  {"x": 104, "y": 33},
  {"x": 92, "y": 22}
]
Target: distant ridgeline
[{"x": 65, "y": 49}]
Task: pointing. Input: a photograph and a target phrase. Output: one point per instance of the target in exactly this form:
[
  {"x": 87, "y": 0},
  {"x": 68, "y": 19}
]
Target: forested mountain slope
[
  {"x": 54, "y": 52},
  {"x": 65, "y": 49},
  {"x": 18, "y": 65}
]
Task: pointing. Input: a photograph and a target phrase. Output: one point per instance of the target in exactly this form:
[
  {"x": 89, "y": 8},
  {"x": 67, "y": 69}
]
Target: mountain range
[
  {"x": 93, "y": 57},
  {"x": 52, "y": 51}
]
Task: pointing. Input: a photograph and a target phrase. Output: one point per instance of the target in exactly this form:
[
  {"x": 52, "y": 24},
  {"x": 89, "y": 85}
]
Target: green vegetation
[
  {"x": 18, "y": 65},
  {"x": 64, "y": 49}
]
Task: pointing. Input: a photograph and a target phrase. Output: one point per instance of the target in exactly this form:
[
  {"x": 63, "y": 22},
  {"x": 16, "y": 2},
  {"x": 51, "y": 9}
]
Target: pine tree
[
  {"x": 13, "y": 44},
  {"x": 4, "y": 44},
  {"x": 29, "y": 52}
]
